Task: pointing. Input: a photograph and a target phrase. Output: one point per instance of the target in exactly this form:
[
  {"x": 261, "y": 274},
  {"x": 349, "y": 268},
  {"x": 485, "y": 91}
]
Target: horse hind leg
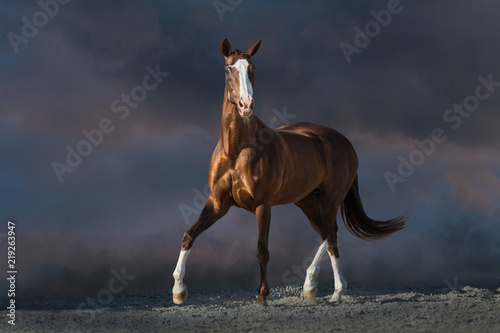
[
  {"x": 322, "y": 214},
  {"x": 333, "y": 251},
  {"x": 310, "y": 287},
  {"x": 311, "y": 208},
  {"x": 329, "y": 207}
]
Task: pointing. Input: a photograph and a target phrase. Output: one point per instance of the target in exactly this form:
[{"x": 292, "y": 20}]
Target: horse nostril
[{"x": 240, "y": 103}]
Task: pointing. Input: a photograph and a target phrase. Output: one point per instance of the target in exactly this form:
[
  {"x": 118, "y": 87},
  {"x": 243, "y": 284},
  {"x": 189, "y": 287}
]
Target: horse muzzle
[{"x": 245, "y": 106}]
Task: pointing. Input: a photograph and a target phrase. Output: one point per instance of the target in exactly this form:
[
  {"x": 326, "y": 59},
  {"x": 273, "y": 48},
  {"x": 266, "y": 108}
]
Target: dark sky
[{"x": 422, "y": 70}]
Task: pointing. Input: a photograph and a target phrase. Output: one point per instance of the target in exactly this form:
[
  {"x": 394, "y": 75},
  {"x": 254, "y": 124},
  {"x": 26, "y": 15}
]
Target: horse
[{"x": 256, "y": 167}]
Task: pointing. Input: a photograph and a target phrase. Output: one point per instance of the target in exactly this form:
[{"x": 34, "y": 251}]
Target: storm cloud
[{"x": 119, "y": 206}]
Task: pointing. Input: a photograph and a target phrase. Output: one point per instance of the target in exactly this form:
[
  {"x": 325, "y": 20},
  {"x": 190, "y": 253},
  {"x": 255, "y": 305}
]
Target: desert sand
[{"x": 362, "y": 309}]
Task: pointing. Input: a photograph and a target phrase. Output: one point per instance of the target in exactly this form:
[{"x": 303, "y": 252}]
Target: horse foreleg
[
  {"x": 212, "y": 211},
  {"x": 263, "y": 214},
  {"x": 179, "y": 291}
]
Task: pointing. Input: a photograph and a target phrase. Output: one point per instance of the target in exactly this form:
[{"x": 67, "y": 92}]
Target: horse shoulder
[{"x": 220, "y": 172}]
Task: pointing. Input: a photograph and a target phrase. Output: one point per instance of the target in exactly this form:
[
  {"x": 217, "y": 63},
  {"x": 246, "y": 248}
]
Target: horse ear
[
  {"x": 251, "y": 51},
  {"x": 225, "y": 48}
]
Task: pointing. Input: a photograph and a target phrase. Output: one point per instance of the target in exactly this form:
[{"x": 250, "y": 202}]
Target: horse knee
[
  {"x": 187, "y": 242},
  {"x": 262, "y": 255}
]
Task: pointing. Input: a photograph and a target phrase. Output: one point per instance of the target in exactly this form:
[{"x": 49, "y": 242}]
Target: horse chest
[{"x": 245, "y": 189}]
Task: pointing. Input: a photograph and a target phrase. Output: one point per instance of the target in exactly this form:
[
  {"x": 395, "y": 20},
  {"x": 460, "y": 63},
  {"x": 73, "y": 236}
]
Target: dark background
[{"x": 121, "y": 206}]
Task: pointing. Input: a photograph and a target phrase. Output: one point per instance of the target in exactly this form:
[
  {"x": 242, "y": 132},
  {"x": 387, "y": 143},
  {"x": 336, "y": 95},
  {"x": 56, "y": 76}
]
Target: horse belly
[{"x": 301, "y": 178}]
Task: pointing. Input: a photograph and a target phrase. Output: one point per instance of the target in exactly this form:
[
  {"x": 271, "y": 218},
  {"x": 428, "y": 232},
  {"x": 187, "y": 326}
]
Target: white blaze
[{"x": 245, "y": 84}]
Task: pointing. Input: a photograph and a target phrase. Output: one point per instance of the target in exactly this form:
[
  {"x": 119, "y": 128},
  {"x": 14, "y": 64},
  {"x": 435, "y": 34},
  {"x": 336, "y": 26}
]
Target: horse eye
[{"x": 227, "y": 70}]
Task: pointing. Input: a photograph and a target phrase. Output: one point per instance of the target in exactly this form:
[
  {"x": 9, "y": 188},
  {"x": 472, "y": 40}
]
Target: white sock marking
[
  {"x": 179, "y": 272},
  {"x": 340, "y": 283},
  {"x": 313, "y": 270}
]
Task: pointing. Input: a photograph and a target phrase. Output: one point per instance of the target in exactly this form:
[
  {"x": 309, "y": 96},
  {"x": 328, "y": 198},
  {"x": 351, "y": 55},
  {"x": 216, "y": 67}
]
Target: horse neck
[{"x": 235, "y": 131}]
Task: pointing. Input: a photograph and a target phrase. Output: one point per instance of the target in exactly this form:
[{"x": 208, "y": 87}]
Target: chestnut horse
[{"x": 255, "y": 167}]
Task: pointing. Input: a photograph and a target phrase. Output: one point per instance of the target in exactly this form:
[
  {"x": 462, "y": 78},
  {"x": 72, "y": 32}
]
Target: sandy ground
[{"x": 362, "y": 309}]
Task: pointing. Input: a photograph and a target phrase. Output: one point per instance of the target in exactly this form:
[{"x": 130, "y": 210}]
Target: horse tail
[{"x": 359, "y": 224}]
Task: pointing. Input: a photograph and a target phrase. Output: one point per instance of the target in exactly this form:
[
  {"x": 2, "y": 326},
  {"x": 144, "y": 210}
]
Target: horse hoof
[
  {"x": 261, "y": 302},
  {"x": 336, "y": 297},
  {"x": 180, "y": 298},
  {"x": 311, "y": 293}
]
